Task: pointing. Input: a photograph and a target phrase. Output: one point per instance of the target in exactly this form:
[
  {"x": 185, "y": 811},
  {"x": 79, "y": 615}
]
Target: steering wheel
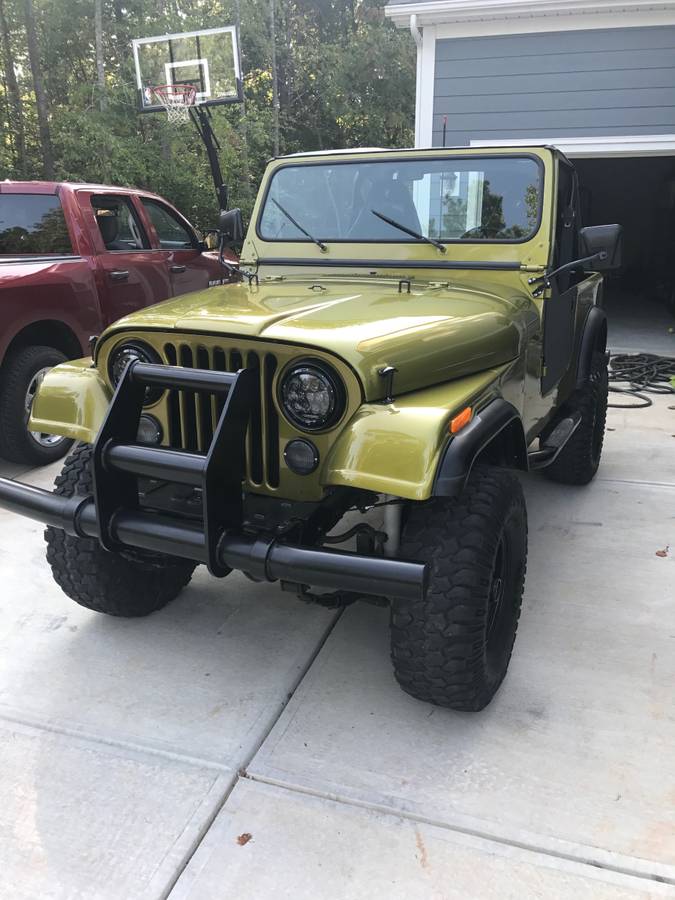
[{"x": 476, "y": 231}]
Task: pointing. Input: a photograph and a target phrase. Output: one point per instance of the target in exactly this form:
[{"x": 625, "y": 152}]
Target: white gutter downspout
[
  {"x": 417, "y": 37},
  {"x": 414, "y": 30}
]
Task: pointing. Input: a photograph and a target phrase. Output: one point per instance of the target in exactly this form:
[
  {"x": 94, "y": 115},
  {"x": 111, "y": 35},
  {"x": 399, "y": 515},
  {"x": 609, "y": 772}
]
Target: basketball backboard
[{"x": 207, "y": 59}]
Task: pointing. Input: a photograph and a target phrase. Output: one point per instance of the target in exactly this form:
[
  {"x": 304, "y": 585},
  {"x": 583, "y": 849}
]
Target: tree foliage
[{"x": 345, "y": 79}]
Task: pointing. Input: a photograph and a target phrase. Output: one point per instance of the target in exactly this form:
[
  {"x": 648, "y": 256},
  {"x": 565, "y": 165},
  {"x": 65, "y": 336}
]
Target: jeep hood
[{"x": 431, "y": 335}]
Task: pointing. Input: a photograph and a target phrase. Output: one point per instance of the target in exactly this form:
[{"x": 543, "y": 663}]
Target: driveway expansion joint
[
  {"x": 87, "y": 737},
  {"x": 529, "y": 846},
  {"x": 242, "y": 772}
]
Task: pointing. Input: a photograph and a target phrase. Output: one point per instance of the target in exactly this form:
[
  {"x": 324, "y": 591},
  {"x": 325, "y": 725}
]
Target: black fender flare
[
  {"x": 594, "y": 337},
  {"x": 499, "y": 417}
]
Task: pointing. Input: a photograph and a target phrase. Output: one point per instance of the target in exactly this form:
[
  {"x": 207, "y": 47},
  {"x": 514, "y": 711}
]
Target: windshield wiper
[
  {"x": 415, "y": 234},
  {"x": 319, "y": 244}
]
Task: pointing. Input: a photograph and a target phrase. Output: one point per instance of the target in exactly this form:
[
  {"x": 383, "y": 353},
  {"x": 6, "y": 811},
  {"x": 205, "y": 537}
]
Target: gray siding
[{"x": 570, "y": 83}]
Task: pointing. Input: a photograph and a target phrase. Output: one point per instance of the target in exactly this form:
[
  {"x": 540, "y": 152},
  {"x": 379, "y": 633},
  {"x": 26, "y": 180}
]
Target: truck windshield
[{"x": 451, "y": 199}]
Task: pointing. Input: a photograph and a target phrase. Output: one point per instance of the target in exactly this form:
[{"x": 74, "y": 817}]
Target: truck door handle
[
  {"x": 119, "y": 275},
  {"x": 176, "y": 270}
]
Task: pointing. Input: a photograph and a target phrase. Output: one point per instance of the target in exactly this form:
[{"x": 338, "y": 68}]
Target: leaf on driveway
[
  {"x": 664, "y": 552},
  {"x": 244, "y": 838}
]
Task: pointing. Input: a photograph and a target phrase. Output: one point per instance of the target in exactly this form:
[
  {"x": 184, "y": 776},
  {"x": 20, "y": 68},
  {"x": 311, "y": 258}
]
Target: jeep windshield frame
[{"x": 526, "y": 203}]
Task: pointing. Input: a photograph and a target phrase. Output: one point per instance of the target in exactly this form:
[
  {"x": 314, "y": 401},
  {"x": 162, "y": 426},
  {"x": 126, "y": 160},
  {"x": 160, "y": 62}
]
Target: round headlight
[
  {"x": 312, "y": 395},
  {"x": 123, "y": 354},
  {"x": 126, "y": 353}
]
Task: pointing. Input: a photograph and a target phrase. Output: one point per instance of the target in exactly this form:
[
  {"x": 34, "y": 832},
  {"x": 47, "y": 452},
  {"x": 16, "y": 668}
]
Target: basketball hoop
[{"x": 176, "y": 100}]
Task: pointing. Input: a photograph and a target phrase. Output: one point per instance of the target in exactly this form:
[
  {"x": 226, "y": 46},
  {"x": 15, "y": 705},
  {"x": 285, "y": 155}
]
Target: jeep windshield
[{"x": 451, "y": 199}]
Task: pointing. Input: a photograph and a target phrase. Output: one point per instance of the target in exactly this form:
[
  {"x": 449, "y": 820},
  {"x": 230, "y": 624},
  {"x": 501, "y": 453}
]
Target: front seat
[{"x": 109, "y": 228}]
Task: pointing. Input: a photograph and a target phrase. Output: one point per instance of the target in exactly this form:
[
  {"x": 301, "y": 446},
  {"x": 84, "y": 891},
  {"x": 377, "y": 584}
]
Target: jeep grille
[{"x": 192, "y": 415}]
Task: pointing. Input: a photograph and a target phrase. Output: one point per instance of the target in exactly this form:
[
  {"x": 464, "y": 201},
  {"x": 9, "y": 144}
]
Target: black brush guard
[{"x": 114, "y": 517}]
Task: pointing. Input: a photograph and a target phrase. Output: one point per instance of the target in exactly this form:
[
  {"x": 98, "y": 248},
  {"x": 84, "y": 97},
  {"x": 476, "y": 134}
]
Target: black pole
[{"x": 202, "y": 120}]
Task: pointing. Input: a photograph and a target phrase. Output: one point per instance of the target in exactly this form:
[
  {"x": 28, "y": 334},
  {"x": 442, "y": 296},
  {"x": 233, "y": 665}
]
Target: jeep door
[{"x": 560, "y": 308}]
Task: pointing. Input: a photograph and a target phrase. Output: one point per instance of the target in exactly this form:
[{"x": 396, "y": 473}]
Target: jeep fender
[
  {"x": 594, "y": 337},
  {"x": 496, "y": 433},
  {"x": 396, "y": 448},
  {"x": 72, "y": 401}
]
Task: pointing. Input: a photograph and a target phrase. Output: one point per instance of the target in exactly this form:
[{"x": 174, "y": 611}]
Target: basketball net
[{"x": 176, "y": 100}]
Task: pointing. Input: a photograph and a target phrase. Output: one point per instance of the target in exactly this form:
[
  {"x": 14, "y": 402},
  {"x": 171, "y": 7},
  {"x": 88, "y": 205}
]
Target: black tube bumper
[{"x": 266, "y": 559}]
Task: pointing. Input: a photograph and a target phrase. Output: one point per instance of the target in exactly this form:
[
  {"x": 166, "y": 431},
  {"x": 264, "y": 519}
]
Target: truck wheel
[
  {"x": 129, "y": 584},
  {"x": 22, "y": 373},
  {"x": 579, "y": 459},
  {"x": 453, "y": 648}
]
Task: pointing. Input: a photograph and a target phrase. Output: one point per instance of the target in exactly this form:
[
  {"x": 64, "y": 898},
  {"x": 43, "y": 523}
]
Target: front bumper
[
  {"x": 268, "y": 560},
  {"x": 113, "y": 514}
]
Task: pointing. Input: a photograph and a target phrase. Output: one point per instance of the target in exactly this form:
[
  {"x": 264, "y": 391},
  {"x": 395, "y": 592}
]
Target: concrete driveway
[{"x": 242, "y": 744}]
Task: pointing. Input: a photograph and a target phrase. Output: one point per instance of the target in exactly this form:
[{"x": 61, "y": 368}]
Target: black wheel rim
[{"x": 497, "y": 589}]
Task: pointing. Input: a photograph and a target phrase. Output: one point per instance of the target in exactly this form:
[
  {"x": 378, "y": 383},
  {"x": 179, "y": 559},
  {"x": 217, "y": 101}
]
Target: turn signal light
[{"x": 460, "y": 420}]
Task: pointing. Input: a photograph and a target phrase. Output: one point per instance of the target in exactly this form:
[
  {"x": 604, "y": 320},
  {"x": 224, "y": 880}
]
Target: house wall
[{"x": 566, "y": 83}]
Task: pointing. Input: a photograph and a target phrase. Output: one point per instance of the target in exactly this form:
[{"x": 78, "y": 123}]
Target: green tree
[{"x": 345, "y": 77}]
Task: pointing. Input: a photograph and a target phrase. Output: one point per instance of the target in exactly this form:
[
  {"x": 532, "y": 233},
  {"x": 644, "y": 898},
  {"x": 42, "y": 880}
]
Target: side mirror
[
  {"x": 231, "y": 226},
  {"x": 605, "y": 243}
]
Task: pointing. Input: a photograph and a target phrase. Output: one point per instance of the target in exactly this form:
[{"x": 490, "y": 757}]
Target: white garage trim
[
  {"x": 426, "y": 87},
  {"x": 588, "y": 147}
]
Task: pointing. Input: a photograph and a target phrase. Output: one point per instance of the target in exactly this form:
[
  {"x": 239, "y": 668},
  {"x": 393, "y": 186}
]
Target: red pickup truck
[{"x": 73, "y": 259}]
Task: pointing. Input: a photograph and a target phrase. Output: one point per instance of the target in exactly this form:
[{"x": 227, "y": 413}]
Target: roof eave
[{"x": 436, "y": 12}]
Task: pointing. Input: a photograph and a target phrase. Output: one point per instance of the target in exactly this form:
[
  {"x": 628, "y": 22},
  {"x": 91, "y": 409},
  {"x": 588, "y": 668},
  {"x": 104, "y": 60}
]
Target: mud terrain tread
[
  {"x": 438, "y": 645},
  {"x": 578, "y": 461},
  {"x": 112, "y": 583}
]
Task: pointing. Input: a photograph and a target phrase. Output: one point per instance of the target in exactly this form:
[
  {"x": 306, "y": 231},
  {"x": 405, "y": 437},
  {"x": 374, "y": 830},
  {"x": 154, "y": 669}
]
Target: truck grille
[{"x": 193, "y": 415}]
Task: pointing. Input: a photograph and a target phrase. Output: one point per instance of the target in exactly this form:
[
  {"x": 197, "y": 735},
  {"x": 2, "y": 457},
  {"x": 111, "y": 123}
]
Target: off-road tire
[
  {"x": 18, "y": 371},
  {"x": 579, "y": 459},
  {"x": 453, "y": 648},
  {"x": 118, "y": 584}
]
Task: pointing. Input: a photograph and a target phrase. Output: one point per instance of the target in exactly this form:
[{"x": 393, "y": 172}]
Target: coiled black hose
[{"x": 644, "y": 373}]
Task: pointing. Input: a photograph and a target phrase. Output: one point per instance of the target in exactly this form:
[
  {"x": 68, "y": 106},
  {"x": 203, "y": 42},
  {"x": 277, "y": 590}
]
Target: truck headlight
[
  {"x": 311, "y": 395},
  {"x": 123, "y": 354}
]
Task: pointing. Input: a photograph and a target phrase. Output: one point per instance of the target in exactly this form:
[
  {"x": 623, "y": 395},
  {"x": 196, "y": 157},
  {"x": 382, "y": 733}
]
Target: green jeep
[{"x": 410, "y": 327}]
